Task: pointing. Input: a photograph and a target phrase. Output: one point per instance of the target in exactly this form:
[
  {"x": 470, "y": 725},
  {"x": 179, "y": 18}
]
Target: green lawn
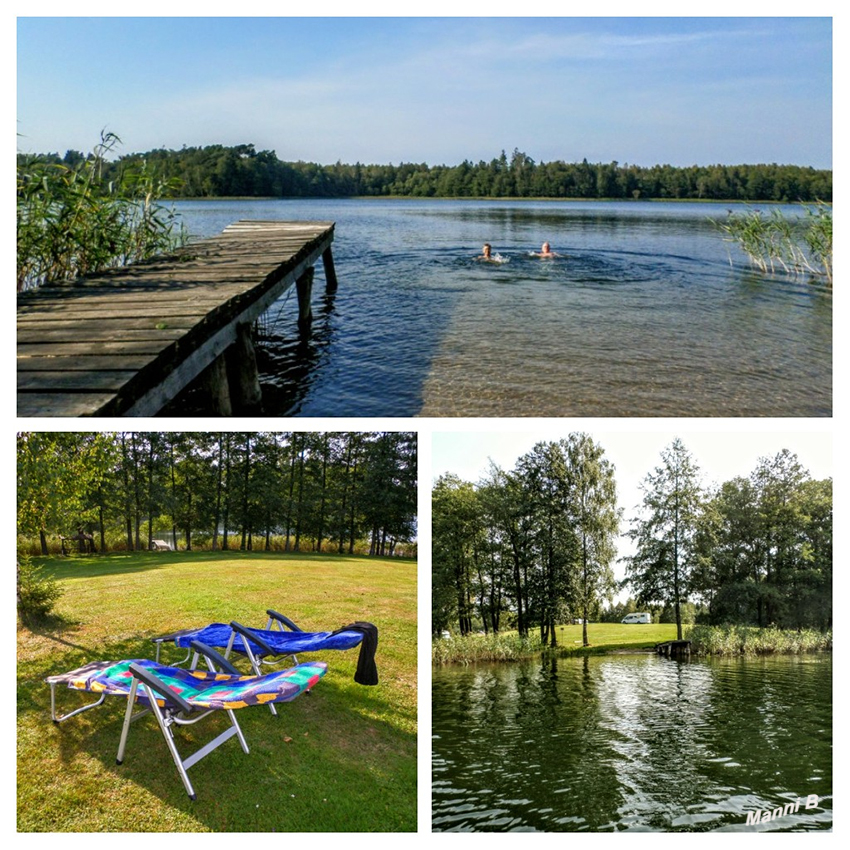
[
  {"x": 610, "y": 636},
  {"x": 341, "y": 759}
]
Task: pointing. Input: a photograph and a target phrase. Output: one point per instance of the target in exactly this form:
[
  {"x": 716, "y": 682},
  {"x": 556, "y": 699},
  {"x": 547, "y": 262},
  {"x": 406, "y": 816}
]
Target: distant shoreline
[{"x": 492, "y": 198}]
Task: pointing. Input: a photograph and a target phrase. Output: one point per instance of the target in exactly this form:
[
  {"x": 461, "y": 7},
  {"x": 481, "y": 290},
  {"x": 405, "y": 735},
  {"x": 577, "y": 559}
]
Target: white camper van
[{"x": 637, "y": 618}]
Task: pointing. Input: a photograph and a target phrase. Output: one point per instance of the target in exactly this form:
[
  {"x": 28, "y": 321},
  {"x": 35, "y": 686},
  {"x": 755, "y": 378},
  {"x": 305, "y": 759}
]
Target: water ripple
[
  {"x": 632, "y": 743},
  {"x": 642, "y": 316}
]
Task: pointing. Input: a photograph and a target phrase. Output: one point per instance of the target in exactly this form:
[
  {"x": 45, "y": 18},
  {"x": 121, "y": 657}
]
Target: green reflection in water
[{"x": 632, "y": 742}]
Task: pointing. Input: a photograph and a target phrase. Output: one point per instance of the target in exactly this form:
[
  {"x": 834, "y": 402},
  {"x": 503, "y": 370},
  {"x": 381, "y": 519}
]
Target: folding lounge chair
[
  {"x": 181, "y": 697},
  {"x": 260, "y": 645}
]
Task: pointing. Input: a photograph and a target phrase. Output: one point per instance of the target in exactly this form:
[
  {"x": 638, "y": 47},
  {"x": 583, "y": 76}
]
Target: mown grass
[
  {"x": 508, "y": 646},
  {"x": 751, "y": 640},
  {"x": 342, "y": 759}
]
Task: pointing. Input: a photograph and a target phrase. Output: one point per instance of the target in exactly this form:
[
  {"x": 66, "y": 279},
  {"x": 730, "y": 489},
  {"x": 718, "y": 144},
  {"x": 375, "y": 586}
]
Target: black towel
[{"x": 367, "y": 671}]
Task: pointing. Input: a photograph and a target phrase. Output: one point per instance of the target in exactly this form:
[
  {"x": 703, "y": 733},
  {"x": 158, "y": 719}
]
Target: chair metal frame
[{"x": 174, "y": 710}]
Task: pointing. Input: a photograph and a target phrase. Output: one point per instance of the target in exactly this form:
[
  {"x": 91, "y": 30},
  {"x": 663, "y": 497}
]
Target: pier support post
[
  {"x": 243, "y": 376},
  {"x": 304, "y": 288},
  {"x": 215, "y": 378},
  {"x": 680, "y": 649},
  {"x": 330, "y": 271}
]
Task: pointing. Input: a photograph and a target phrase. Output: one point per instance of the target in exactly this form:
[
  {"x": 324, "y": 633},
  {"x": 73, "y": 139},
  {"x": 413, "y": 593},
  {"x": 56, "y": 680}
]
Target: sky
[
  {"x": 728, "y": 450},
  {"x": 643, "y": 91}
]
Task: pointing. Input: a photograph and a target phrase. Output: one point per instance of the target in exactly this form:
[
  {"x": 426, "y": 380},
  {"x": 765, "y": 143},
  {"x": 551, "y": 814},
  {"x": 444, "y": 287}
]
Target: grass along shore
[
  {"x": 509, "y": 646},
  {"x": 614, "y": 637},
  {"x": 342, "y": 759}
]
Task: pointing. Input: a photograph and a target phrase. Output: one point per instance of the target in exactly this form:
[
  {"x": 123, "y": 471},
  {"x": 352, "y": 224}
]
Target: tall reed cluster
[
  {"x": 777, "y": 243},
  {"x": 750, "y": 640},
  {"x": 71, "y": 222},
  {"x": 468, "y": 649}
]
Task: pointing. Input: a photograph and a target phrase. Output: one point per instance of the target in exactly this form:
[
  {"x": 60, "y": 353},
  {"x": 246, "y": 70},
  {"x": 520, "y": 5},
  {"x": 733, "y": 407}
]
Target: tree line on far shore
[
  {"x": 242, "y": 171},
  {"x": 324, "y": 492},
  {"x": 534, "y": 547}
]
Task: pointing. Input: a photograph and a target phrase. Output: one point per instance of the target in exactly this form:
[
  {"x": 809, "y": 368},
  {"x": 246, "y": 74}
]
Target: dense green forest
[
  {"x": 324, "y": 492},
  {"x": 535, "y": 546},
  {"x": 242, "y": 171}
]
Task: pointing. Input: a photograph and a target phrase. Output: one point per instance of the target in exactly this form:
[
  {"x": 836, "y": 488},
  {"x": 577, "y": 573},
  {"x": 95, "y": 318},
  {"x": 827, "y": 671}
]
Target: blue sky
[{"x": 438, "y": 90}]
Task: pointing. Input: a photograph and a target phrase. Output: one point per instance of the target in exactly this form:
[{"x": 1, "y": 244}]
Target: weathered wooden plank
[
  {"x": 131, "y": 301},
  {"x": 60, "y": 404},
  {"x": 86, "y": 362},
  {"x": 78, "y": 326},
  {"x": 118, "y": 310},
  {"x": 44, "y": 381},
  {"x": 37, "y": 350},
  {"x": 163, "y": 336},
  {"x": 93, "y": 299}
]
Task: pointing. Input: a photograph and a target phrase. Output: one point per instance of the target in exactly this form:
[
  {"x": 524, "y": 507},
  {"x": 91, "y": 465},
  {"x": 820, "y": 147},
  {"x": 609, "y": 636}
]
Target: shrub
[{"x": 37, "y": 592}]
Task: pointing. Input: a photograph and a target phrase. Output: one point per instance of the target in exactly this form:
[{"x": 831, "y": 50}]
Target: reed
[
  {"x": 776, "y": 243},
  {"x": 468, "y": 649},
  {"x": 751, "y": 640},
  {"x": 70, "y": 222}
]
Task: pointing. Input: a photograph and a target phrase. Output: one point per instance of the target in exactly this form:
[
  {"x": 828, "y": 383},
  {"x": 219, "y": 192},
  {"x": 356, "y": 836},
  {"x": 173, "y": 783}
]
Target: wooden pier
[
  {"x": 674, "y": 649},
  {"x": 127, "y": 341}
]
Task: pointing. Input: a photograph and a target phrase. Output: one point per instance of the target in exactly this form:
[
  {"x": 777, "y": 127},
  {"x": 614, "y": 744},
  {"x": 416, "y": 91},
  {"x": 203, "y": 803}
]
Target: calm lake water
[
  {"x": 642, "y": 316},
  {"x": 632, "y": 742}
]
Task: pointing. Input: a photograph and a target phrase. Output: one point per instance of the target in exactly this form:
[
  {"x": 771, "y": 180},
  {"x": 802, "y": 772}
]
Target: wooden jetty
[
  {"x": 127, "y": 341},
  {"x": 674, "y": 649}
]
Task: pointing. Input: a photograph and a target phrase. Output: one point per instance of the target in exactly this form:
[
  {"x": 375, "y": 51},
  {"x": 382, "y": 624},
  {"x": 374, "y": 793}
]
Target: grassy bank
[
  {"x": 750, "y": 640},
  {"x": 342, "y": 759},
  {"x": 508, "y": 646},
  {"x": 613, "y": 637}
]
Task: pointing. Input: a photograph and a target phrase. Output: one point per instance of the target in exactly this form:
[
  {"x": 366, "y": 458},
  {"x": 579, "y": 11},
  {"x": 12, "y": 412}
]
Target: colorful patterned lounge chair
[{"x": 180, "y": 697}]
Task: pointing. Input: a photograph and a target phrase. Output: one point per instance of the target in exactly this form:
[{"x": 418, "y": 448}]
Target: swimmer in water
[
  {"x": 487, "y": 256},
  {"x": 545, "y": 251}
]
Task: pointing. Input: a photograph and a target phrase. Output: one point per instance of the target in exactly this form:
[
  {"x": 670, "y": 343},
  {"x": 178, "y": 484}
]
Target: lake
[
  {"x": 632, "y": 743},
  {"x": 643, "y": 315}
]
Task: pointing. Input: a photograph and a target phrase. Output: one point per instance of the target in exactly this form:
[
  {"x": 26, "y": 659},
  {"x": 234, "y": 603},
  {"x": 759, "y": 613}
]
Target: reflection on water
[
  {"x": 643, "y": 315},
  {"x": 632, "y": 742}
]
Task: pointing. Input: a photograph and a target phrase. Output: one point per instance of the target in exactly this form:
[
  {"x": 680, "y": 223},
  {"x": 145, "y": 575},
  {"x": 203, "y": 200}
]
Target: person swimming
[
  {"x": 487, "y": 255},
  {"x": 545, "y": 251}
]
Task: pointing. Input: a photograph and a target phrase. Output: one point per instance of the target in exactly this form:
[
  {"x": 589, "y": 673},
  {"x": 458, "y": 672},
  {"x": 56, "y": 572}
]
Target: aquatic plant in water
[
  {"x": 751, "y": 640},
  {"x": 775, "y": 242},
  {"x": 70, "y": 222}
]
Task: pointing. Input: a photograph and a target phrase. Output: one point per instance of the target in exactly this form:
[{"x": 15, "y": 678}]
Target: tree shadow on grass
[
  {"x": 324, "y": 764},
  {"x": 118, "y": 563}
]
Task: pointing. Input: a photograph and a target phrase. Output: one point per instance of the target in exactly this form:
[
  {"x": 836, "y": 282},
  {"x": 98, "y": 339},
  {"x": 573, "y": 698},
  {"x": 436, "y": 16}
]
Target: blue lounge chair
[{"x": 272, "y": 645}]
